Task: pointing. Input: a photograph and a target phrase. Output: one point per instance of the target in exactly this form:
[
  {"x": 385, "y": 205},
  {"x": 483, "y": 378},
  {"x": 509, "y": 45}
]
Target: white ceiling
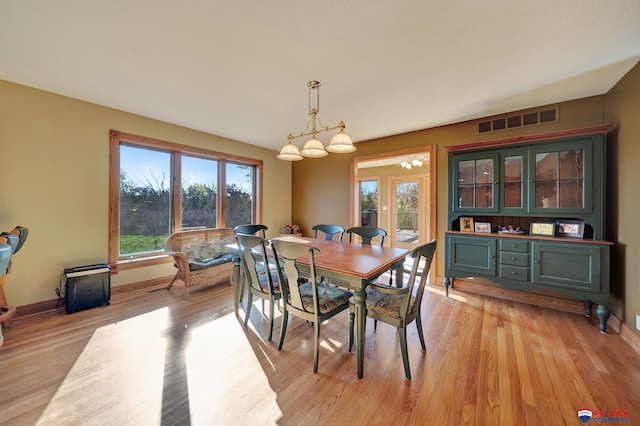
[{"x": 239, "y": 69}]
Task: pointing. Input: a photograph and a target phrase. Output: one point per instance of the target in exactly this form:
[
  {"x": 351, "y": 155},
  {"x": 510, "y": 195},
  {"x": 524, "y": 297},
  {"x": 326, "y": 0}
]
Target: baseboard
[
  {"x": 631, "y": 337},
  {"x": 568, "y": 305},
  {"x": 54, "y": 304}
]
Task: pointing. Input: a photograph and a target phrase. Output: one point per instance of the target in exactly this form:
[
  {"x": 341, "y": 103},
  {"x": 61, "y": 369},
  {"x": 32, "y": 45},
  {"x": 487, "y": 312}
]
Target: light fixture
[
  {"x": 411, "y": 162},
  {"x": 313, "y": 148}
]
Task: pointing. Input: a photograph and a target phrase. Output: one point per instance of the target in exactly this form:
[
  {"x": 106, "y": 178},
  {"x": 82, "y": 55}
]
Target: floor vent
[{"x": 531, "y": 118}]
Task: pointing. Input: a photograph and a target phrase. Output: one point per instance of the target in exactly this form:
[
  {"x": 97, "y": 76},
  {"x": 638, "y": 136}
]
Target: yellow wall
[
  {"x": 55, "y": 159},
  {"x": 623, "y": 111}
]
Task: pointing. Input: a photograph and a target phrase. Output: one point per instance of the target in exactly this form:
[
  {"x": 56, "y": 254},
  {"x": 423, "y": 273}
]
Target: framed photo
[
  {"x": 466, "y": 224},
  {"x": 482, "y": 227},
  {"x": 546, "y": 229},
  {"x": 570, "y": 228}
]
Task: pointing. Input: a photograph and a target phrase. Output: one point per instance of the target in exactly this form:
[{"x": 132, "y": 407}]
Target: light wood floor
[{"x": 152, "y": 358}]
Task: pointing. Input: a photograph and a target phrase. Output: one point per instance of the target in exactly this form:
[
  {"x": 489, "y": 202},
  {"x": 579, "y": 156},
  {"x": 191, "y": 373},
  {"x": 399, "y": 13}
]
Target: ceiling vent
[{"x": 532, "y": 118}]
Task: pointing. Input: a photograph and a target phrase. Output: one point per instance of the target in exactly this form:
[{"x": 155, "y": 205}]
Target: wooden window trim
[{"x": 115, "y": 138}]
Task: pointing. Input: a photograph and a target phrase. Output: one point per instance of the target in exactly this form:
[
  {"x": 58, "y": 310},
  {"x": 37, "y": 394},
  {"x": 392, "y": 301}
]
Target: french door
[{"x": 409, "y": 210}]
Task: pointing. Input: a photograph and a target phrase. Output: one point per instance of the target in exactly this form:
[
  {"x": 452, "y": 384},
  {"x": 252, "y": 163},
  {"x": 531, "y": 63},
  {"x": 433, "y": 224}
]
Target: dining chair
[
  {"x": 367, "y": 234},
  {"x": 263, "y": 281},
  {"x": 251, "y": 228},
  {"x": 329, "y": 231},
  {"x": 308, "y": 299},
  {"x": 399, "y": 306}
]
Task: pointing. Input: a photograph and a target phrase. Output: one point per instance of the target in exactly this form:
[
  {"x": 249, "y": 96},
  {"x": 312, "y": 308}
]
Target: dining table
[{"x": 352, "y": 266}]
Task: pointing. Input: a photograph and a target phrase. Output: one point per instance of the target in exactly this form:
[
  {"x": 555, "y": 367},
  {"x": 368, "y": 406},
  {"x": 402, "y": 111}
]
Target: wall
[
  {"x": 55, "y": 156},
  {"x": 623, "y": 111}
]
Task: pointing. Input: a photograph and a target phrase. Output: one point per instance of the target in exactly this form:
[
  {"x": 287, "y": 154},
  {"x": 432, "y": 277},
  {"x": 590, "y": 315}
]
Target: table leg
[{"x": 360, "y": 296}]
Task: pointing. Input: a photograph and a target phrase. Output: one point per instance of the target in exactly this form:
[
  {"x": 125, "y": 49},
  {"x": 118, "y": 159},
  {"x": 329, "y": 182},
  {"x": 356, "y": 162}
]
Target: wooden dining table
[{"x": 353, "y": 266}]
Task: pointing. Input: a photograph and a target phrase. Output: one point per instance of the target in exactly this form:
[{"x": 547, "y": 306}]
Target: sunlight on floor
[
  {"x": 135, "y": 391},
  {"x": 213, "y": 347}
]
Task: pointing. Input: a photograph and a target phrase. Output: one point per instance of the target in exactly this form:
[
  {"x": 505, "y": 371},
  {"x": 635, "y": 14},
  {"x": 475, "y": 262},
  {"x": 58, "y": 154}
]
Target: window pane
[
  {"x": 240, "y": 194},
  {"x": 199, "y": 192},
  {"x": 369, "y": 203},
  {"x": 145, "y": 203}
]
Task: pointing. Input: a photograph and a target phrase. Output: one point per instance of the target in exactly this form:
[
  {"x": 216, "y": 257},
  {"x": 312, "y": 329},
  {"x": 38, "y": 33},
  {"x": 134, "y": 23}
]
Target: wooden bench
[{"x": 201, "y": 256}]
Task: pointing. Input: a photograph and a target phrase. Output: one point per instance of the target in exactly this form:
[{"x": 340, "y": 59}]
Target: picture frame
[
  {"x": 466, "y": 224},
  {"x": 545, "y": 229},
  {"x": 482, "y": 227},
  {"x": 570, "y": 228}
]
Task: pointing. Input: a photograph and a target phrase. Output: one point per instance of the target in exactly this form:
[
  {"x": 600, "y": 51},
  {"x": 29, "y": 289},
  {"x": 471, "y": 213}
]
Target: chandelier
[
  {"x": 411, "y": 162},
  {"x": 313, "y": 148}
]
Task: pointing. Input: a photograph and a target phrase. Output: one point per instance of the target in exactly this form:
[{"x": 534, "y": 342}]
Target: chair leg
[
  {"x": 249, "y": 304},
  {"x": 172, "y": 281},
  {"x": 403, "y": 349},
  {"x": 283, "y": 327},
  {"x": 272, "y": 308},
  {"x": 351, "y": 317},
  {"x": 420, "y": 335},
  {"x": 316, "y": 346}
]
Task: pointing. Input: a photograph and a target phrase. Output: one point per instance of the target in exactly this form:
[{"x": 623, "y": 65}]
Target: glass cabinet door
[
  {"x": 560, "y": 180},
  {"x": 476, "y": 186},
  {"x": 513, "y": 167}
]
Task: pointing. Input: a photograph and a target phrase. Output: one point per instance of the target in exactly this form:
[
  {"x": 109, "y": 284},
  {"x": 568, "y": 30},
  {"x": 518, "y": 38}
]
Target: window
[
  {"x": 369, "y": 202},
  {"x": 158, "y": 188}
]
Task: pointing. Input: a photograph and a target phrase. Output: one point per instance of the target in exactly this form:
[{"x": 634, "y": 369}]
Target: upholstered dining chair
[
  {"x": 310, "y": 299},
  {"x": 367, "y": 234},
  {"x": 263, "y": 281},
  {"x": 329, "y": 231},
  {"x": 251, "y": 228},
  {"x": 399, "y": 306}
]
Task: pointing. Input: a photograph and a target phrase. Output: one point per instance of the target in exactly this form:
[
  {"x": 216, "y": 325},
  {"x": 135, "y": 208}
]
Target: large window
[{"x": 158, "y": 188}]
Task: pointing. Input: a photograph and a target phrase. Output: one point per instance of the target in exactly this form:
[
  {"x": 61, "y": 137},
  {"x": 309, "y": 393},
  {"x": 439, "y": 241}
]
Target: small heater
[{"x": 87, "y": 287}]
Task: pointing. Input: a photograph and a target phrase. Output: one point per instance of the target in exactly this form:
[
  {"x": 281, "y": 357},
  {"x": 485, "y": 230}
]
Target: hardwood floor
[{"x": 153, "y": 358}]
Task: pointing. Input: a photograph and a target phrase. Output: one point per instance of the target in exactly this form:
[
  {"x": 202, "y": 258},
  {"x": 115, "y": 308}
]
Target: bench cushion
[{"x": 195, "y": 265}]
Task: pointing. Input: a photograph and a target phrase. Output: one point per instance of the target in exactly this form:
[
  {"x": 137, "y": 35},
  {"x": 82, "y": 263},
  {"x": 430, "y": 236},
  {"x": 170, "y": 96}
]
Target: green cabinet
[
  {"x": 556, "y": 178},
  {"x": 524, "y": 180}
]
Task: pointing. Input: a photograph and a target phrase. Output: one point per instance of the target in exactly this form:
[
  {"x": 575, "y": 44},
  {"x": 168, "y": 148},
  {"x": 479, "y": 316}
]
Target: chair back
[
  {"x": 255, "y": 262},
  {"x": 287, "y": 252},
  {"x": 367, "y": 234},
  {"x": 422, "y": 258},
  {"x": 329, "y": 231},
  {"x": 251, "y": 228}
]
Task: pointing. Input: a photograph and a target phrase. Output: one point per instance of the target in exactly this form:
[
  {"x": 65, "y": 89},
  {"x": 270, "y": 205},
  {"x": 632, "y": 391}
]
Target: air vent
[{"x": 519, "y": 120}]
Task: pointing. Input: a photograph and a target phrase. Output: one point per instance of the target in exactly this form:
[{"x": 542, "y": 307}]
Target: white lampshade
[
  {"x": 341, "y": 143},
  {"x": 289, "y": 152},
  {"x": 313, "y": 149}
]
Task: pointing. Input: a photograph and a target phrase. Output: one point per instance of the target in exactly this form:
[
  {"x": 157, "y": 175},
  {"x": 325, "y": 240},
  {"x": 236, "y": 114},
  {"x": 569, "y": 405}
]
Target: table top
[{"x": 360, "y": 260}]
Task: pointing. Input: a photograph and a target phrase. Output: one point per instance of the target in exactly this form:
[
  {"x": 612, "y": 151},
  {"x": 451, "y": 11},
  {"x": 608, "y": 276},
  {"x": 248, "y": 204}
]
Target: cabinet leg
[
  {"x": 447, "y": 283},
  {"x": 603, "y": 315},
  {"x": 588, "y": 304}
]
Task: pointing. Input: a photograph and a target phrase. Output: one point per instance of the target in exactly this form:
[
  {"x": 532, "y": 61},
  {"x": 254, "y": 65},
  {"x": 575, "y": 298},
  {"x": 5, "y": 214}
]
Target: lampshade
[
  {"x": 341, "y": 143},
  {"x": 289, "y": 152},
  {"x": 313, "y": 149}
]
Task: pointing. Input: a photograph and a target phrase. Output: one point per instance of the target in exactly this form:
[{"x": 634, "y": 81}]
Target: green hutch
[{"x": 528, "y": 213}]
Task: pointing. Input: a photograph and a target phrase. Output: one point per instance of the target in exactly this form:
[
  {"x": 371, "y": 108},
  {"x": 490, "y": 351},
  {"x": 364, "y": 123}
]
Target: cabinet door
[
  {"x": 561, "y": 180},
  {"x": 513, "y": 172},
  {"x": 473, "y": 255},
  {"x": 475, "y": 183},
  {"x": 566, "y": 265}
]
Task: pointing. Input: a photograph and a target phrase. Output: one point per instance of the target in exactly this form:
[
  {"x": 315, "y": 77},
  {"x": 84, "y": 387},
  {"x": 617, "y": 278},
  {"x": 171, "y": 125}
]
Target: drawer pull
[
  {"x": 537, "y": 261},
  {"x": 513, "y": 258},
  {"x": 513, "y": 273}
]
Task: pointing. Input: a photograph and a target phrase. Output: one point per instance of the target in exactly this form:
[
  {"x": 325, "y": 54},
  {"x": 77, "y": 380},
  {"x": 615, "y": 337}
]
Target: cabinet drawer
[
  {"x": 515, "y": 259},
  {"x": 514, "y": 245},
  {"x": 514, "y": 273}
]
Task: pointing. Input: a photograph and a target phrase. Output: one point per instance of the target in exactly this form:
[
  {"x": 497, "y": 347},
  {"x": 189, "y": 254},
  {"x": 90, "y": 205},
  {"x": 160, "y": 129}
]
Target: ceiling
[{"x": 239, "y": 69}]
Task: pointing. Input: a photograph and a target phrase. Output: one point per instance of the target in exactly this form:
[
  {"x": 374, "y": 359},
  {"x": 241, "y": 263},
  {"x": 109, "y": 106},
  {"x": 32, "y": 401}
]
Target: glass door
[{"x": 409, "y": 212}]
